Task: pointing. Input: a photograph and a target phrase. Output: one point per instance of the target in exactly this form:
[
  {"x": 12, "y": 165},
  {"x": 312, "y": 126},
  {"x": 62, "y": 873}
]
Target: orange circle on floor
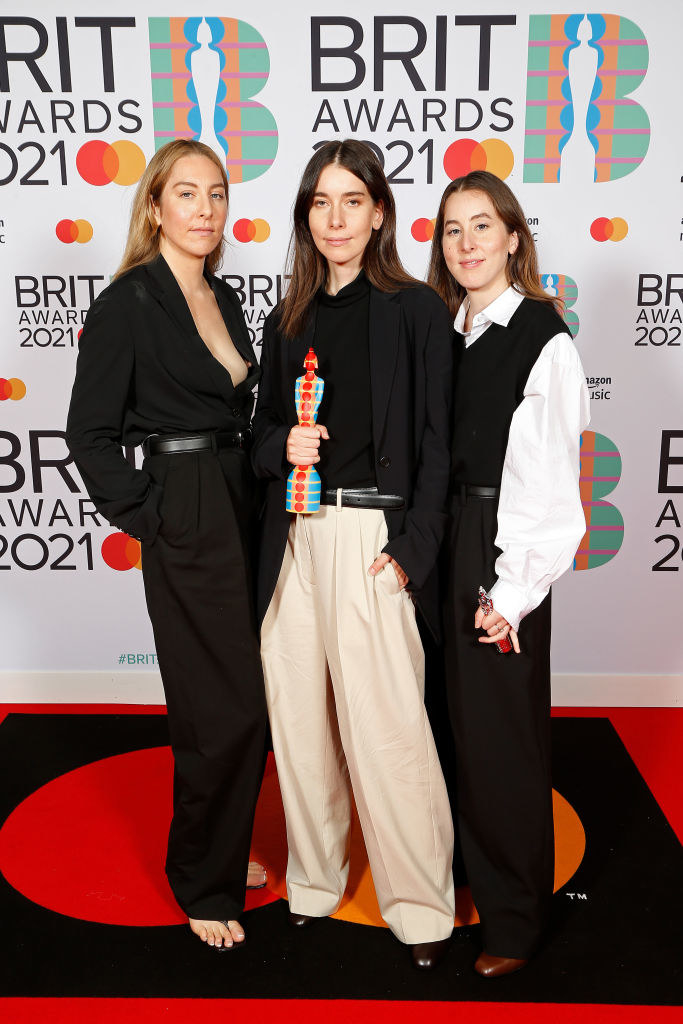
[
  {"x": 359, "y": 905},
  {"x": 112, "y": 870}
]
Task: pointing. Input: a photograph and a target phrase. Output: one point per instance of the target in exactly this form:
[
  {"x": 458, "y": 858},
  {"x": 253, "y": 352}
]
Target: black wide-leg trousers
[
  {"x": 198, "y": 585},
  {"x": 499, "y": 706}
]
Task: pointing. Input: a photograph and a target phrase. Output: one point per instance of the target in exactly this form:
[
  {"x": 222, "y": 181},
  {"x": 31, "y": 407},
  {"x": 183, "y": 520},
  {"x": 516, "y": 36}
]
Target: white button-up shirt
[{"x": 540, "y": 516}]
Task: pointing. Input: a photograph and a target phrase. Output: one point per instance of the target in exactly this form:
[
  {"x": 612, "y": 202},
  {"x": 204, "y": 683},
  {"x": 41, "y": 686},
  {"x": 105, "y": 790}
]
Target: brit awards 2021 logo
[
  {"x": 205, "y": 72},
  {"x": 580, "y": 124},
  {"x": 565, "y": 288},
  {"x": 600, "y": 474}
]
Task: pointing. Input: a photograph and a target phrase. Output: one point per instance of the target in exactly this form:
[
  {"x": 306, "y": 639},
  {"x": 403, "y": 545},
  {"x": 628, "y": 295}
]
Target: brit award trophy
[{"x": 303, "y": 483}]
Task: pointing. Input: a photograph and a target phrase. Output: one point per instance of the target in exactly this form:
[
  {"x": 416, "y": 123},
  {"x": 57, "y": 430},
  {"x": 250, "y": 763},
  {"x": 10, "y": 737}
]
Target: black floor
[{"x": 623, "y": 943}]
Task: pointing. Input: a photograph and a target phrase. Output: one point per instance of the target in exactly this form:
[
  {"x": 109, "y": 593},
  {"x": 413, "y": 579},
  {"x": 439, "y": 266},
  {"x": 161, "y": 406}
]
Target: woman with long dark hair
[
  {"x": 165, "y": 361},
  {"x": 342, "y": 657},
  {"x": 520, "y": 404}
]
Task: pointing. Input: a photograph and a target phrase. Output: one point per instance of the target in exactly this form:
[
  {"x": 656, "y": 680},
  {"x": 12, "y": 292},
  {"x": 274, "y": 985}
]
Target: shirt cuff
[{"x": 510, "y": 602}]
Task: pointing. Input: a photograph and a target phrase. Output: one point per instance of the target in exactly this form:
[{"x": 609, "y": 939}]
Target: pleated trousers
[
  {"x": 198, "y": 587},
  {"x": 500, "y": 714},
  {"x": 344, "y": 672}
]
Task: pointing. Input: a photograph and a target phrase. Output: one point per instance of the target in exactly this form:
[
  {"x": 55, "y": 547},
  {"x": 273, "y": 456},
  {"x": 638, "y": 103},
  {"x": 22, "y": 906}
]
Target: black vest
[{"x": 492, "y": 375}]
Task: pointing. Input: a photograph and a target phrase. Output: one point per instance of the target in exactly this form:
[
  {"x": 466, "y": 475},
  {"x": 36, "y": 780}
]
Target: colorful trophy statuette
[
  {"x": 503, "y": 646},
  {"x": 303, "y": 483}
]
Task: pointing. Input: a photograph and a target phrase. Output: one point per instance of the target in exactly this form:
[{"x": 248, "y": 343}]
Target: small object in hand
[
  {"x": 503, "y": 646},
  {"x": 303, "y": 483}
]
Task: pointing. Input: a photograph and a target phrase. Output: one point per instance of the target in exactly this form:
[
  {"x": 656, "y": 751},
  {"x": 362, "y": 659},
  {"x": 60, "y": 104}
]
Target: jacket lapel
[
  {"x": 162, "y": 284},
  {"x": 385, "y": 322},
  {"x": 237, "y": 328}
]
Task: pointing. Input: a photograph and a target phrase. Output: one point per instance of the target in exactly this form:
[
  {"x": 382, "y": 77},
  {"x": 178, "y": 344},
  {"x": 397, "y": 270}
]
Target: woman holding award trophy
[
  {"x": 356, "y": 383},
  {"x": 520, "y": 404}
]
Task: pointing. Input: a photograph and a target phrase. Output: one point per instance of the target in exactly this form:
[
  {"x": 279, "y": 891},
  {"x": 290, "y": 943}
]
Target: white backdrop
[{"x": 533, "y": 92}]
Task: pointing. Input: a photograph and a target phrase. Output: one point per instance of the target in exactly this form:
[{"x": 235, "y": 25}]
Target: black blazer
[
  {"x": 143, "y": 369},
  {"x": 411, "y": 351}
]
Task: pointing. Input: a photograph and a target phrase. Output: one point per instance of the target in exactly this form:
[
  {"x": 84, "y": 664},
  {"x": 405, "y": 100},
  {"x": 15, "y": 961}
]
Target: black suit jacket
[
  {"x": 411, "y": 352},
  {"x": 143, "y": 369}
]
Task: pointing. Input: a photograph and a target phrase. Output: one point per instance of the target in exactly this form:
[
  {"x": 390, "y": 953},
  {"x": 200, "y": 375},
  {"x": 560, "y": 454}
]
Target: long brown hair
[
  {"x": 142, "y": 245},
  {"x": 522, "y": 265},
  {"x": 307, "y": 266}
]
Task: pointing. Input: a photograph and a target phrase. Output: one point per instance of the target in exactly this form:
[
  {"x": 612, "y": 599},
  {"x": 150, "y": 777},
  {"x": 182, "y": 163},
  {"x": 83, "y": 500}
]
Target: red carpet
[
  {"x": 340, "y": 1011},
  {"x": 654, "y": 740},
  {"x": 652, "y": 737}
]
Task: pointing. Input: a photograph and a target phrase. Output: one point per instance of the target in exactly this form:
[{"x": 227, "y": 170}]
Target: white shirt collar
[{"x": 499, "y": 311}]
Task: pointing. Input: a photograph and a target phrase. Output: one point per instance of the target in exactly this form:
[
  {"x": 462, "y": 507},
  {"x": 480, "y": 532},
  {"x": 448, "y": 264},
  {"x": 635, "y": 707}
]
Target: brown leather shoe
[
  {"x": 496, "y": 966},
  {"x": 300, "y": 920},
  {"x": 426, "y": 955}
]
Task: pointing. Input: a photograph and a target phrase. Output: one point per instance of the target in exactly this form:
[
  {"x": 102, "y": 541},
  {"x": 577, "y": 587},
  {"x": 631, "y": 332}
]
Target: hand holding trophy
[{"x": 303, "y": 483}]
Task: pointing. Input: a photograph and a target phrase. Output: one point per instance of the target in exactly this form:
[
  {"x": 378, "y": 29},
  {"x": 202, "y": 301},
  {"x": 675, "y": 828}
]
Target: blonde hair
[{"x": 142, "y": 244}]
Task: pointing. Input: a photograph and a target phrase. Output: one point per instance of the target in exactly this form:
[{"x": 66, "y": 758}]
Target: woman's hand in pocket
[{"x": 381, "y": 561}]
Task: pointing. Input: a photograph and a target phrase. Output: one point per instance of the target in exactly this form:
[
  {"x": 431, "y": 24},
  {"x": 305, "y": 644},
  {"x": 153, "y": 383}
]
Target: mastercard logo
[
  {"x": 121, "y": 552},
  {"x": 100, "y": 163},
  {"x": 251, "y": 230},
  {"x": 423, "y": 229},
  {"x": 603, "y": 229},
  {"x": 11, "y": 388},
  {"x": 467, "y": 155},
  {"x": 69, "y": 231}
]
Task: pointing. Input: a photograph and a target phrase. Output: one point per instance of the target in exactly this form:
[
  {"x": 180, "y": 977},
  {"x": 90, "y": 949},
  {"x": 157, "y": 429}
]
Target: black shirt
[{"x": 341, "y": 343}]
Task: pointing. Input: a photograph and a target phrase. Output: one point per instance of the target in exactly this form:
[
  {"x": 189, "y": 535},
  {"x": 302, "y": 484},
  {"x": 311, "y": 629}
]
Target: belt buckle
[
  {"x": 214, "y": 442},
  {"x": 145, "y": 444}
]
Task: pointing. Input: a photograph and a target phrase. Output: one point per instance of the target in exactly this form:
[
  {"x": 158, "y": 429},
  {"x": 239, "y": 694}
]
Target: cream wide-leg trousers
[{"x": 344, "y": 672}]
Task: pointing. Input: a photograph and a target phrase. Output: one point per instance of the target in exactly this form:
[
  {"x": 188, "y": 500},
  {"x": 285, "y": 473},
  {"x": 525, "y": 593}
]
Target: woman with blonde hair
[
  {"x": 165, "y": 362},
  {"x": 520, "y": 404}
]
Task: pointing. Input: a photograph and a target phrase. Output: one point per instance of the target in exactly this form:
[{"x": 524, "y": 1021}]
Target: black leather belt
[
  {"x": 362, "y": 497},
  {"x": 465, "y": 491},
  {"x": 211, "y": 441}
]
